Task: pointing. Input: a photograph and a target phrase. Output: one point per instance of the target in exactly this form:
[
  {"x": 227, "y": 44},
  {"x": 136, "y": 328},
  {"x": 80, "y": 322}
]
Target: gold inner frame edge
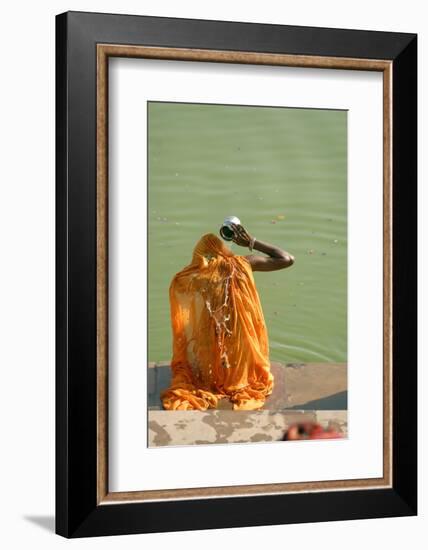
[{"x": 104, "y": 51}]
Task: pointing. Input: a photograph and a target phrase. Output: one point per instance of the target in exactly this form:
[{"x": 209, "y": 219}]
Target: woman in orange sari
[{"x": 220, "y": 342}]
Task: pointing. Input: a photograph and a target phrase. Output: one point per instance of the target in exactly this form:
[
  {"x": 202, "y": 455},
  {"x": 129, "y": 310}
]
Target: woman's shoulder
[{"x": 244, "y": 262}]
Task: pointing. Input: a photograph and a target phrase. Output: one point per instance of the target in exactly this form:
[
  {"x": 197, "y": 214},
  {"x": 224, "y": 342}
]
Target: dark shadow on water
[
  {"x": 45, "y": 522},
  {"x": 158, "y": 379},
  {"x": 335, "y": 402}
]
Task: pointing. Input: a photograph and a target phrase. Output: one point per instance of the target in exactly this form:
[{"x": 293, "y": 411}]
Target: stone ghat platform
[{"x": 315, "y": 392}]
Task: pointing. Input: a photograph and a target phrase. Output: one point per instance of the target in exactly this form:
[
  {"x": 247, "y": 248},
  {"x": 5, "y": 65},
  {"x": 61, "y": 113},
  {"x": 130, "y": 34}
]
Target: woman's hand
[{"x": 240, "y": 235}]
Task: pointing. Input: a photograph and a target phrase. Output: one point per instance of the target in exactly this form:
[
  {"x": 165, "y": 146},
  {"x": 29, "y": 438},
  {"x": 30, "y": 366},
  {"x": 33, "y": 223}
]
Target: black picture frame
[{"x": 78, "y": 513}]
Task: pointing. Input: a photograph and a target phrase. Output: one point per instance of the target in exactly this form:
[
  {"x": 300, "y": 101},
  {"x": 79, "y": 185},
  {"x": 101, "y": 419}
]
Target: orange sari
[{"x": 220, "y": 343}]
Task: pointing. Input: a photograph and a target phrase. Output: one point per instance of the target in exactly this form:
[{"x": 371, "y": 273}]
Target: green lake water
[{"x": 283, "y": 172}]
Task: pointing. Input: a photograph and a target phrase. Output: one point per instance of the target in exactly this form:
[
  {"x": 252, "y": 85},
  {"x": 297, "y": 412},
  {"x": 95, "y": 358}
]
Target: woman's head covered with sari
[{"x": 210, "y": 246}]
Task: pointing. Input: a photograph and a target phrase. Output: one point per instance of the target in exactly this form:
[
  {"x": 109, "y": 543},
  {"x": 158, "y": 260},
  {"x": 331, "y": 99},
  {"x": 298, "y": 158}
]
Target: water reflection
[{"x": 283, "y": 172}]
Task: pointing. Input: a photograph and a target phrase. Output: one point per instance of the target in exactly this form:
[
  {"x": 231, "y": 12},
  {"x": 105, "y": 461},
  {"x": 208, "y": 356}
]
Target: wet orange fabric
[{"x": 220, "y": 342}]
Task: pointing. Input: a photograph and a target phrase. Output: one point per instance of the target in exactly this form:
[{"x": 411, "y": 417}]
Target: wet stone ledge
[{"x": 298, "y": 386}]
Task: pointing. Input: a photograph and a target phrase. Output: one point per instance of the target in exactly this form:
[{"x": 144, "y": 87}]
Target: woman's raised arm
[{"x": 276, "y": 257}]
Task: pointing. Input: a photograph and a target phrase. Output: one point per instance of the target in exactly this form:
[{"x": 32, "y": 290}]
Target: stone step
[{"x": 177, "y": 428}]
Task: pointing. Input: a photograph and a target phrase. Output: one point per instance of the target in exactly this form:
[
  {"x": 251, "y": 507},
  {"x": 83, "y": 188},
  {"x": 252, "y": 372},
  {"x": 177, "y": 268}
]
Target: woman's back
[{"x": 220, "y": 343}]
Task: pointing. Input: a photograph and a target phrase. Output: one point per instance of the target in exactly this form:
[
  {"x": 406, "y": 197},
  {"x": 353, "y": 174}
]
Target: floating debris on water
[
  {"x": 176, "y": 174},
  {"x": 280, "y": 217},
  {"x": 310, "y": 251},
  {"x": 335, "y": 241},
  {"x": 273, "y": 221}
]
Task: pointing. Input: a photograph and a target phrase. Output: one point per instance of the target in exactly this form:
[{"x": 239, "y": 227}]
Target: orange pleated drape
[{"x": 220, "y": 342}]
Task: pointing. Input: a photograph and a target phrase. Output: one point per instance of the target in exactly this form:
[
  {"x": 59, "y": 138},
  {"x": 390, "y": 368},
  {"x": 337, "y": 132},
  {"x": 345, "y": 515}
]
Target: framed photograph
[{"x": 236, "y": 274}]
